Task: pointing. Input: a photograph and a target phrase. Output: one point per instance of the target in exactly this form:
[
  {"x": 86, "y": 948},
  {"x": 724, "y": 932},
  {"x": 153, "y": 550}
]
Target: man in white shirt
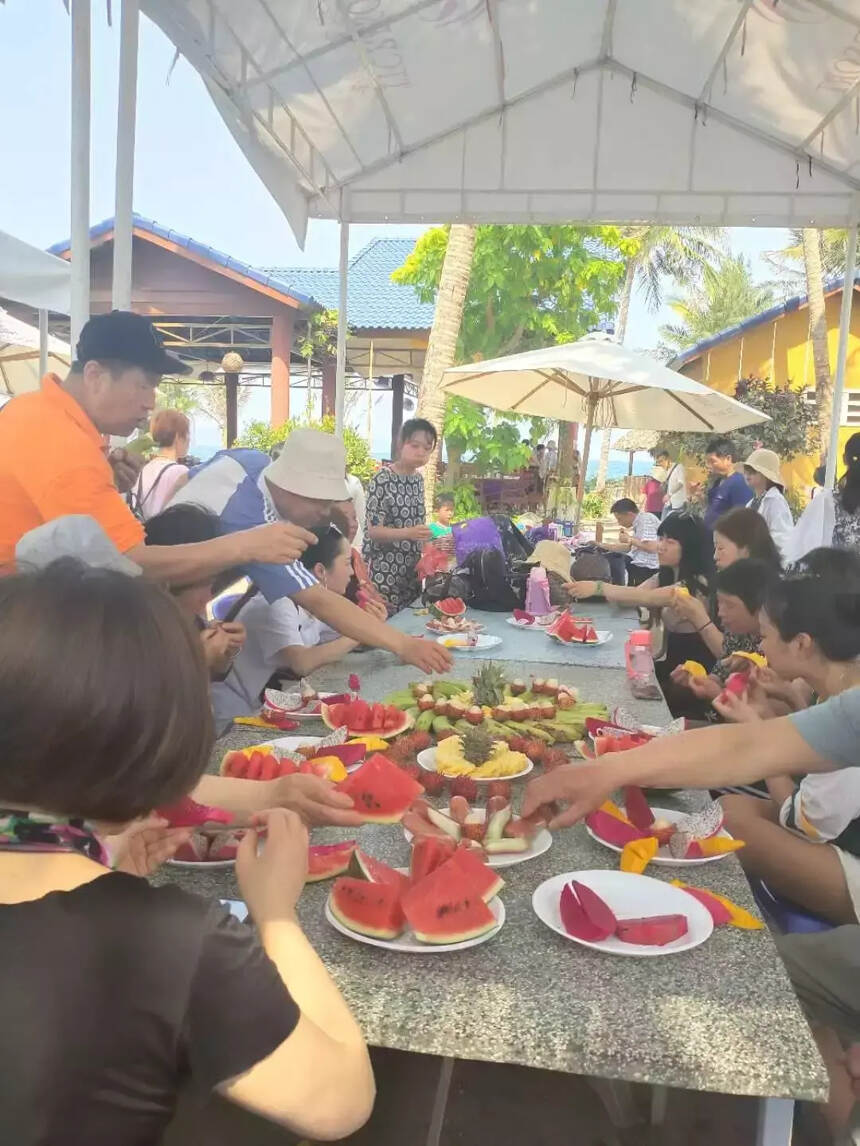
[{"x": 637, "y": 541}]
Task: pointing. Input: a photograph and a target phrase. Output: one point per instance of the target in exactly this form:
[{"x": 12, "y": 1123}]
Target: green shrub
[
  {"x": 261, "y": 436},
  {"x": 595, "y": 505},
  {"x": 466, "y": 503}
]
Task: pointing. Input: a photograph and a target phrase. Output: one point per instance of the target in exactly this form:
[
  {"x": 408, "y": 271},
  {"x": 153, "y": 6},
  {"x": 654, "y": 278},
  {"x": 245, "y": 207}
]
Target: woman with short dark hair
[{"x": 112, "y": 991}]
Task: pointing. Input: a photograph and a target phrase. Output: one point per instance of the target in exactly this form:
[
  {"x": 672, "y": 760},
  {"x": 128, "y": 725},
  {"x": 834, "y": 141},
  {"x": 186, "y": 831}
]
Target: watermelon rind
[
  {"x": 325, "y": 861},
  {"x": 448, "y": 918},
  {"x": 448, "y": 607},
  {"x": 363, "y": 866},
  {"x": 351, "y": 896}
]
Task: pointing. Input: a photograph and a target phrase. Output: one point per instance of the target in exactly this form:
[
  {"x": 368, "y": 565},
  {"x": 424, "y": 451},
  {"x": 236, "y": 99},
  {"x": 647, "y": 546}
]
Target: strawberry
[
  {"x": 465, "y": 786},
  {"x": 499, "y": 788},
  {"x": 433, "y": 783}
]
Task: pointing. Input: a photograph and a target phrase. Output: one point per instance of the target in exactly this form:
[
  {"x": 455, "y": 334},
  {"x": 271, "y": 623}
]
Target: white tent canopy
[
  {"x": 20, "y": 366},
  {"x": 32, "y": 276},
  {"x": 726, "y": 112}
]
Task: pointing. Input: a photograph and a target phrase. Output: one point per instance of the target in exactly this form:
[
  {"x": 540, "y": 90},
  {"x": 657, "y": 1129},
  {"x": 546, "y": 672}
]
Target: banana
[
  {"x": 403, "y": 699},
  {"x": 445, "y": 689},
  {"x": 424, "y": 720},
  {"x": 441, "y": 724}
]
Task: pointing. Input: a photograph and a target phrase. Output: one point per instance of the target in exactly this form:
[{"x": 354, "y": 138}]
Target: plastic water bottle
[
  {"x": 640, "y": 666},
  {"x": 537, "y": 592}
]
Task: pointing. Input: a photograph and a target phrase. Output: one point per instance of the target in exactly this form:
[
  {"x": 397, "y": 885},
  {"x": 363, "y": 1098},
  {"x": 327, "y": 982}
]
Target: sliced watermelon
[
  {"x": 187, "y": 813},
  {"x": 234, "y": 764},
  {"x": 381, "y": 792},
  {"x": 653, "y": 931},
  {"x": 363, "y": 866},
  {"x": 487, "y": 881},
  {"x": 428, "y": 853},
  {"x": 334, "y": 715},
  {"x": 377, "y": 717},
  {"x": 359, "y": 718},
  {"x": 328, "y": 860},
  {"x": 369, "y": 908},
  {"x": 446, "y": 907}
]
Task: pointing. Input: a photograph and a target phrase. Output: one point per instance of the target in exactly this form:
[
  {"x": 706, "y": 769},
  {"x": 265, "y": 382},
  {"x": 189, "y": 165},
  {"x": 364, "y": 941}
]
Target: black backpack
[
  {"x": 489, "y": 582},
  {"x": 516, "y": 545}
]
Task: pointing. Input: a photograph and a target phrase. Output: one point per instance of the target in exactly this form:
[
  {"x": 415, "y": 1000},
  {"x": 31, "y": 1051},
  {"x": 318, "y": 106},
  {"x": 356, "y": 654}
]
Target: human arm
[
  {"x": 318, "y": 1081},
  {"x": 621, "y": 594},
  {"x": 692, "y": 609},
  {"x": 221, "y": 642},
  {"x": 277, "y": 543},
  {"x": 724, "y": 755},
  {"x": 348, "y": 619},
  {"x": 316, "y": 800},
  {"x": 389, "y": 533},
  {"x": 647, "y": 546},
  {"x": 303, "y": 660},
  {"x": 142, "y": 847}
]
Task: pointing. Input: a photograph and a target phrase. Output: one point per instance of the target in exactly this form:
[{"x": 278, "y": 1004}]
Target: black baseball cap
[{"x": 126, "y": 337}]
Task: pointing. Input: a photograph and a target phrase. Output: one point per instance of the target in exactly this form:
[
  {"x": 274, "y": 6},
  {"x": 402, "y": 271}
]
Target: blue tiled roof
[
  {"x": 265, "y": 279},
  {"x": 374, "y": 301},
  {"x": 831, "y": 286}
]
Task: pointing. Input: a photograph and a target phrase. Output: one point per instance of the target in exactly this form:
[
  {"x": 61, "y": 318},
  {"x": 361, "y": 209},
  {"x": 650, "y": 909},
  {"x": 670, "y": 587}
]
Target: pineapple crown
[
  {"x": 477, "y": 745},
  {"x": 489, "y": 684}
]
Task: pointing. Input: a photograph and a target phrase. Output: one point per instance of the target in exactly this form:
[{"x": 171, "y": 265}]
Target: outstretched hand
[
  {"x": 145, "y": 845},
  {"x": 316, "y": 800},
  {"x": 582, "y": 787}
]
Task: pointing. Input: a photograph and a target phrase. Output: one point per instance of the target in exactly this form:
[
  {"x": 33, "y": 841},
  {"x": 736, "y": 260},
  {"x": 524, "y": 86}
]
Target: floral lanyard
[{"x": 43, "y": 832}]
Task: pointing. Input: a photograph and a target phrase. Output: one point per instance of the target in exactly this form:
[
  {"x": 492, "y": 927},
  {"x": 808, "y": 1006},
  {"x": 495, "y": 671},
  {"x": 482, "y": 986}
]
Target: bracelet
[
  {"x": 598, "y": 589},
  {"x": 704, "y": 626}
]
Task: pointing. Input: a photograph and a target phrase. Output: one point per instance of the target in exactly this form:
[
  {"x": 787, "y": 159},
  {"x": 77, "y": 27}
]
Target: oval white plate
[
  {"x": 484, "y": 642},
  {"x": 604, "y": 636},
  {"x": 409, "y": 945},
  {"x": 202, "y": 865},
  {"x": 299, "y": 714},
  {"x": 630, "y": 897},
  {"x": 664, "y": 856},
  {"x": 427, "y": 760},
  {"x": 541, "y": 842},
  {"x": 534, "y": 627},
  {"x": 470, "y": 627},
  {"x": 293, "y": 743}
]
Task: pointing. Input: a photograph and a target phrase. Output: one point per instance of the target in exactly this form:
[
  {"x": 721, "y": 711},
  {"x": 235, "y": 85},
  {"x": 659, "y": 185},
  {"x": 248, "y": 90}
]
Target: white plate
[
  {"x": 534, "y": 627},
  {"x": 409, "y": 945},
  {"x": 202, "y": 865},
  {"x": 483, "y": 642},
  {"x": 630, "y": 897},
  {"x": 469, "y": 627},
  {"x": 293, "y": 743},
  {"x": 604, "y": 636},
  {"x": 541, "y": 842},
  {"x": 664, "y": 856},
  {"x": 427, "y": 760},
  {"x": 300, "y": 714}
]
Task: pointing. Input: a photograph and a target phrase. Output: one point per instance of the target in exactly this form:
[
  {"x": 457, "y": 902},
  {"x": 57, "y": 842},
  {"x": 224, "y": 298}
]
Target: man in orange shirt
[{"x": 52, "y": 459}]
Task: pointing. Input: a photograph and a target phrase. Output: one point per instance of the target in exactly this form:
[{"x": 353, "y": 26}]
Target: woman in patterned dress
[{"x": 395, "y": 528}]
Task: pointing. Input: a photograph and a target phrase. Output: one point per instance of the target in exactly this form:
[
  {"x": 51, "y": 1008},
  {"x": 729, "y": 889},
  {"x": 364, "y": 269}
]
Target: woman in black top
[{"x": 113, "y": 991}]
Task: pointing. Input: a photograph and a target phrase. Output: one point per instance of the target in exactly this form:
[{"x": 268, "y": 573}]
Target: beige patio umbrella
[
  {"x": 19, "y": 356},
  {"x": 600, "y": 383}
]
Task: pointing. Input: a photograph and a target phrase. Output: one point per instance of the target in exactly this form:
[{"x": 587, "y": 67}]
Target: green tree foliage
[
  {"x": 788, "y": 262},
  {"x": 262, "y": 436},
  {"x": 531, "y": 286},
  {"x": 182, "y": 396},
  {"x": 791, "y": 431},
  {"x": 318, "y": 339},
  {"x": 725, "y": 296}
]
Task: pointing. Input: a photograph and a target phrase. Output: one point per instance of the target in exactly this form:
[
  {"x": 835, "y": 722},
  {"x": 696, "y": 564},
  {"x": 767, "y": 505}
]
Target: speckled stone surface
[
  {"x": 722, "y": 1017},
  {"x": 529, "y": 644}
]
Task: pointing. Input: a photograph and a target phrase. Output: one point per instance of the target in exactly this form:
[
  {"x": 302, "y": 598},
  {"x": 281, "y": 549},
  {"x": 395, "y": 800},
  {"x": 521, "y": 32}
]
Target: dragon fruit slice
[
  {"x": 339, "y": 736},
  {"x": 700, "y": 825},
  {"x": 282, "y": 702},
  {"x": 307, "y": 691},
  {"x": 679, "y": 845},
  {"x": 524, "y": 617},
  {"x": 187, "y": 813}
]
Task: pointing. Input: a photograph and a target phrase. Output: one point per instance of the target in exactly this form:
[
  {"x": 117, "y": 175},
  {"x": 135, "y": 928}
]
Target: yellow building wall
[{"x": 780, "y": 352}]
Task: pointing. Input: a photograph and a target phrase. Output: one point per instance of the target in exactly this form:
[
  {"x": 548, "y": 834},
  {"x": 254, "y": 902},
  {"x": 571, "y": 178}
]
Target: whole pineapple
[
  {"x": 477, "y": 746},
  {"x": 489, "y": 685}
]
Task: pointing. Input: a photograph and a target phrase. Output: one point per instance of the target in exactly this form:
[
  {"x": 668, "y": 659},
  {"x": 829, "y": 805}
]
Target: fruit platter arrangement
[
  {"x": 542, "y": 709},
  {"x": 447, "y": 900},
  {"x": 331, "y": 758},
  {"x": 212, "y": 842},
  {"x": 646, "y": 835},
  {"x": 449, "y": 616},
  {"x": 498, "y": 835},
  {"x": 521, "y": 619},
  {"x": 282, "y": 709}
]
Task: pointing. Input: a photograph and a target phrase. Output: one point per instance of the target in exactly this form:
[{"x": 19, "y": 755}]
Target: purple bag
[{"x": 476, "y": 533}]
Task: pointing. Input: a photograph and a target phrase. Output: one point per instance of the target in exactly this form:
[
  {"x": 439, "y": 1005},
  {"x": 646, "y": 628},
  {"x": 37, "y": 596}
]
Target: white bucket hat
[
  {"x": 311, "y": 464},
  {"x": 766, "y": 463},
  {"x": 75, "y": 535}
]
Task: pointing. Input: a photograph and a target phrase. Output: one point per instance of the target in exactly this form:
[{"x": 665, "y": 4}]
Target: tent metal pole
[
  {"x": 125, "y": 132},
  {"x": 80, "y": 168},
  {"x": 43, "y": 343},
  {"x": 340, "y": 376},
  {"x": 841, "y": 353},
  {"x": 586, "y": 450}
]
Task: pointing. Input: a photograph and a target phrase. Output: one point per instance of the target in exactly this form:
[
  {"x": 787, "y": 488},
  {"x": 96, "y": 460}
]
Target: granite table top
[
  {"x": 533, "y": 644},
  {"x": 722, "y": 1017}
]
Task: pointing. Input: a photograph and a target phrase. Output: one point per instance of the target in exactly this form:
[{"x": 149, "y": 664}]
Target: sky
[{"x": 189, "y": 173}]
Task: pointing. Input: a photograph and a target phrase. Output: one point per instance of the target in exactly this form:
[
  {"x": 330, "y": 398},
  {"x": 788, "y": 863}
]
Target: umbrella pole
[{"x": 583, "y": 469}]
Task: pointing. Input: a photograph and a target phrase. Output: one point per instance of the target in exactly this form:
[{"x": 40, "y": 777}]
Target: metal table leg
[
  {"x": 440, "y": 1102},
  {"x": 775, "y": 1118}
]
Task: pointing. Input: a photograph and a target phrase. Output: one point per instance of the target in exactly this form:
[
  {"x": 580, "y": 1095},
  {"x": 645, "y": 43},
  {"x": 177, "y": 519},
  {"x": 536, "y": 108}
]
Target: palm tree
[
  {"x": 822, "y": 253},
  {"x": 653, "y": 255},
  {"x": 442, "y": 346},
  {"x": 726, "y": 296}
]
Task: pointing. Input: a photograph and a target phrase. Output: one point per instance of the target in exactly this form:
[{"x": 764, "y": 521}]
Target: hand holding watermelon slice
[{"x": 272, "y": 864}]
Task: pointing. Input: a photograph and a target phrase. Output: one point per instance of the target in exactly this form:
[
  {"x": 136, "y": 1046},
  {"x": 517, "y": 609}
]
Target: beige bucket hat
[
  {"x": 766, "y": 463},
  {"x": 554, "y": 557},
  {"x": 311, "y": 464}
]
